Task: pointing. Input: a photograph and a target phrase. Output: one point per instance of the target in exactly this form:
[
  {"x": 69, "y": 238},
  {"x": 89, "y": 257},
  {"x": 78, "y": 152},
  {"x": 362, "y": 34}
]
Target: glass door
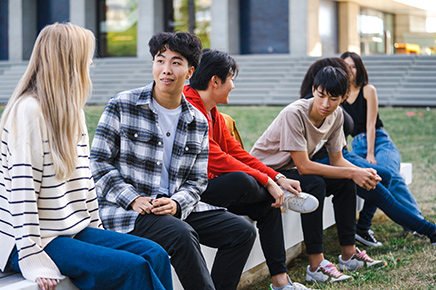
[{"x": 117, "y": 27}]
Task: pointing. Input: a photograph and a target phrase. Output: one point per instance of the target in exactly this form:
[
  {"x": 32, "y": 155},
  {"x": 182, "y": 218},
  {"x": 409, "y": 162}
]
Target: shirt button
[
  {"x": 136, "y": 135},
  {"x": 160, "y": 143},
  {"x": 186, "y": 148},
  {"x": 158, "y": 163}
]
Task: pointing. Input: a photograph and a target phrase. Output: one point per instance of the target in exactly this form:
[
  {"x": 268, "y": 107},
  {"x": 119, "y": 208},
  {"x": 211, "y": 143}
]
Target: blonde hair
[{"x": 58, "y": 77}]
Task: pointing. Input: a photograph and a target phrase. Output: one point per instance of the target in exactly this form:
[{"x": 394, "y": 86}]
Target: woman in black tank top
[
  {"x": 371, "y": 141},
  {"x": 362, "y": 104}
]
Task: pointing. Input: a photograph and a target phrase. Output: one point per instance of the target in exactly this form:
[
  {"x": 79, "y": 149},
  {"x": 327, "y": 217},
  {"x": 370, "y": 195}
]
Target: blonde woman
[{"x": 49, "y": 222}]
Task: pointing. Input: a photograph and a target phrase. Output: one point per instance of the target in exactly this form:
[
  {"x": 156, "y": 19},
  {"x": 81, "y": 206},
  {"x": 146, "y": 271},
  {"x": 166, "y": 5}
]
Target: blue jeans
[
  {"x": 100, "y": 259},
  {"x": 388, "y": 157},
  {"x": 382, "y": 198}
]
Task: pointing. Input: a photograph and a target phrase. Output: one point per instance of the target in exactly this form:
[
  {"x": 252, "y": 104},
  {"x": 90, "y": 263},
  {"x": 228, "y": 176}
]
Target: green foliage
[
  {"x": 251, "y": 121},
  {"x": 93, "y": 114},
  {"x": 122, "y": 43},
  {"x": 202, "y": 28}
]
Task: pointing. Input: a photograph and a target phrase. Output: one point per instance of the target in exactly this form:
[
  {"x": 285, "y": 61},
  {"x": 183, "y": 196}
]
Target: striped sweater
[{"x": 35, "y": 206}]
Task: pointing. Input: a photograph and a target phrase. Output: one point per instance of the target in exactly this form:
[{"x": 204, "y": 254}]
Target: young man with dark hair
[
  {"x": 237, "y": 180},
  {"x": 149, "y": 159},
  {"x": 301, "y": 129}
]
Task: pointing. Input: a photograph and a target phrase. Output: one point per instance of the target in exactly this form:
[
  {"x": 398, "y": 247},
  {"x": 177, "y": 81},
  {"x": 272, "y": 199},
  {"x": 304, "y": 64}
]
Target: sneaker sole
[
  {"x": 329, "y": 280},
  {"x": 379, "y": 265},
  {"x": 344, "y": 268}
]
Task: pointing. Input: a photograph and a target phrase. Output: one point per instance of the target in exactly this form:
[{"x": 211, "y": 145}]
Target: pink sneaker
[
  {"x": 358, "y": 260},
  {"x": 326, "y": 272}
]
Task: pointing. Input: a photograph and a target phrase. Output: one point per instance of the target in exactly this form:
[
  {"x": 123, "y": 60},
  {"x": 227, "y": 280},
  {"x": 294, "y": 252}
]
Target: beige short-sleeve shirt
[{"x": 292, "y": 130}]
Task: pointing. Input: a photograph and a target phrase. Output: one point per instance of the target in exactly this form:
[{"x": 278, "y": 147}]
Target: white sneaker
[
  {"x": 303, "y": 203},
  {"x": 358, "y": 260},
  {"x": 326, "y": 272},
  {"x": 292, "y": 286},
  {"x": 298, "y": 286}
]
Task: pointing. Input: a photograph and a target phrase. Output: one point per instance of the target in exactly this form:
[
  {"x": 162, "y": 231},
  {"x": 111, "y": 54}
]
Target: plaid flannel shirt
[{"x": 127, "y": 158}]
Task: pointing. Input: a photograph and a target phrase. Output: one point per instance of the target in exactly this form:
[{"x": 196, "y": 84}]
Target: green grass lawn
[{"x": 411, "y": 261}]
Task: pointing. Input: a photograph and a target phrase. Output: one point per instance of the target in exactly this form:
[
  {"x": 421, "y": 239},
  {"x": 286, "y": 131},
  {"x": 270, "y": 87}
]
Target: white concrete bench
[
  {"x": 14, "y": 281},
  {"x": 255, "y": 268}
]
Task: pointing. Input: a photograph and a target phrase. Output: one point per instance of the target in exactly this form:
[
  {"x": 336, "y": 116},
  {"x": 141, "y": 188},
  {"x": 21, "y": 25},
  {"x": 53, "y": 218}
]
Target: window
[{"x": 117, "y": 25}]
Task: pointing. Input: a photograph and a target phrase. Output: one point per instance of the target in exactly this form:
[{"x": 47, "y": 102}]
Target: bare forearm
[
  {"x": 338, "y": 170},
  {"x": 370, "y": 137}
]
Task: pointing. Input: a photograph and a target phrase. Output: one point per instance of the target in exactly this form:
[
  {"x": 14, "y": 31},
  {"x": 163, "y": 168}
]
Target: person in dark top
[{"x": 371, "y": 141}]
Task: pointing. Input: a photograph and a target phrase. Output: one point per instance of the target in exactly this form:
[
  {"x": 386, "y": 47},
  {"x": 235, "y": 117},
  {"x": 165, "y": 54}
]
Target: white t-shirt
[{"x": 167, "y": 123}]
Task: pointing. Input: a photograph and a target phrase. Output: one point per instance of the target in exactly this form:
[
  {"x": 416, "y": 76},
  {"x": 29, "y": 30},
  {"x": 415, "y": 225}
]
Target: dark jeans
[
  {"x": 344, "y": 204},
  {"x": 233, "y": 236},
  {"x": 241, "y": 194},
  {"x": 369, "y": 208}
]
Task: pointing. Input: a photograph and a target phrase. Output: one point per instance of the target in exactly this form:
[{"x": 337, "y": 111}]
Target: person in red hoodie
[{"x": 237, "y": 180}]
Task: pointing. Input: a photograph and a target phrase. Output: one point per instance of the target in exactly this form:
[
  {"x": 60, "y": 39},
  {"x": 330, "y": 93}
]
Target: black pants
[
  {"x": 241, "y": 194},
  {"x": 232, "y": 235},
  {"x": 344, "y": 204}
]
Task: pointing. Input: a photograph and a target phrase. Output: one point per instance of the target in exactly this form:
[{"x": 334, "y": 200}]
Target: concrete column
[
  {"x": 406, "y": 24},
  {"x": 29, "y": 28},
  {"x": 78, "y": 12},
  {"x": 90, "y": 15},
  {"x": 15, "y": 30},
  {"x": 298, "y": 30},
  {"x": 225, "y": 26},
  {"x": 349, "y": 39},
  {"x": 84, "y": 13},
  {"x": 314, "y": 47},
  {"x": 304, "y": 36},
  {"x": 22, "y": 28},
  {"x": 150, "y": 21}
]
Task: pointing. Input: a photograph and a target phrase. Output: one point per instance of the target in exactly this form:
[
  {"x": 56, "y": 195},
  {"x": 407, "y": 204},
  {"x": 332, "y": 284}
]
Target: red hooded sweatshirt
[{"x": 225, "y": 153}]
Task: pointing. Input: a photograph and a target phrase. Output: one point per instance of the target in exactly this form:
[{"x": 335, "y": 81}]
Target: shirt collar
[{"x": 145, "y": 99}]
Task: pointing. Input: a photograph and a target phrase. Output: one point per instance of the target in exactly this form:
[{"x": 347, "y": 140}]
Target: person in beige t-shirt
[
  {"x": 287, "y": 145},
  {"x": 293, "y": 130}
]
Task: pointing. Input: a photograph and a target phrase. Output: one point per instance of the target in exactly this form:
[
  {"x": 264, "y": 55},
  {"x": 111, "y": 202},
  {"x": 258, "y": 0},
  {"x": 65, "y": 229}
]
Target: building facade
[{"x": 296, "y": 27}]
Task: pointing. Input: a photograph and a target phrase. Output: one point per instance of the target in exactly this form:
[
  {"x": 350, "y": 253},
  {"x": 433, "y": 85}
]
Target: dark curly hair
[{"x": 187, "y": 44}]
